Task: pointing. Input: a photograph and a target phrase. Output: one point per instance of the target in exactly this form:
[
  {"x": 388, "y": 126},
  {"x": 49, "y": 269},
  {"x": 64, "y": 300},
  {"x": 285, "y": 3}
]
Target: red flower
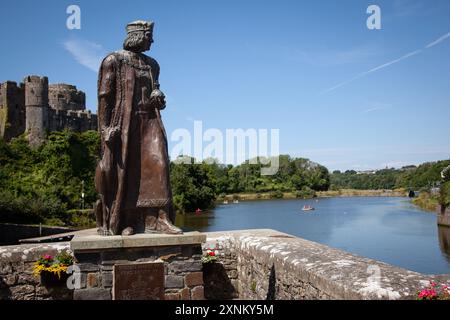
[{"x": 211, "y": 253}]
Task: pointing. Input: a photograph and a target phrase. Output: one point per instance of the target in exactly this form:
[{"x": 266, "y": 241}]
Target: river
[{"x": 387, "y": 229}]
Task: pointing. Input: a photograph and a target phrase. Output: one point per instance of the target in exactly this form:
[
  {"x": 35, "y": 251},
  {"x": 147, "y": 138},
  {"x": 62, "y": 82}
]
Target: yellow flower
[{"x": 56, "y": 269}]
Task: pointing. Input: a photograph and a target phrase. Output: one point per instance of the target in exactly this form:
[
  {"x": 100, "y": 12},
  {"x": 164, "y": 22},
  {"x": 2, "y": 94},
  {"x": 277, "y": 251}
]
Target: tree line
[
  {"x": 45, "y": 185},
  {"x": 417, "y": 178}
]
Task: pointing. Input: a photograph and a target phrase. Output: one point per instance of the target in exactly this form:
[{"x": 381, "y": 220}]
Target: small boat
[
  {"x": 307, "y": 208},
  {"x": 225, "y": 202},
  {"x": 236, "y": 201}
]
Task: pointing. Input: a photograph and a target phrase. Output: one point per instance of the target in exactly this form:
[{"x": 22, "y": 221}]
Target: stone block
[
  {"x": 172, "y": 296},
  {"x": 197, "y": 293},
  {"x": 27, "y": 278},
  {"x": 194, "y": 279},
  {"x": 107, "y": 279},
  {"x": 10, "y": 279},
  {"x": 186, "y": 251},
  {"x": 173, "y": 281},
  {"x": 44, "y": 293},
  {"x": 20, "y": 267},
  {"x": 92, "y": 280},
  {"x": 167, "y": 253},
  {"x": 97, "y": 242},
  {"x": 232, "y": 274},
  {"x": 92, "y": 294},
  {"x": 107, "y": 268},
  {"x": 22, "y": 292},
  {"x": 5, "y": 268},
  {"x": 185, "y": 294},
  {"x": 111, "y": 263},
  {"x": 185, "y": 266},
  {"x": 88, "y": 257},
  {"x": 88, "y": 267}
]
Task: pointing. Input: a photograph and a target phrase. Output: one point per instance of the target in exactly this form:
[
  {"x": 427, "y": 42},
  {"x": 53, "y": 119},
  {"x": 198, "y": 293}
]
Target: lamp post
[{"x": 82, "y": 194}]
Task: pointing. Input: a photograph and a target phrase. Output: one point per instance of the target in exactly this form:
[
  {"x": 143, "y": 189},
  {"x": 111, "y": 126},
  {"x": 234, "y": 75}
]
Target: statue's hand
[{"x": 158, "y": 99}]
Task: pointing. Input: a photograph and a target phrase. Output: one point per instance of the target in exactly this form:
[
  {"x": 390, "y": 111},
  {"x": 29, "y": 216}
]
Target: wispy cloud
[
  {"x": 86, "y": 53},
  {"x": 325, "y": 57},
  {"x": 387, "y": 64},
  {"x": 376, "y": 108}
]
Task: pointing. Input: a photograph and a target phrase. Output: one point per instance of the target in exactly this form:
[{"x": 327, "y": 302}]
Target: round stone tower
[{"x": 36, "y": 104}]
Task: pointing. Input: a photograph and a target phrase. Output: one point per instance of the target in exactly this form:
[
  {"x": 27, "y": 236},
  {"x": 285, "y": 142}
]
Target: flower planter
[{"x": 49, "y": 279}]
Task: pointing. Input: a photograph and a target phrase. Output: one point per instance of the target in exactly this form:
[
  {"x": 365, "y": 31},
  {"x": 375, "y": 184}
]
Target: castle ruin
[{"x": 35, "y": 107}]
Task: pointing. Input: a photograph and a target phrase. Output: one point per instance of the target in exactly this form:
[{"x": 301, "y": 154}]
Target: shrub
[
  {"x": 305, "y": 193},
  {"x": 278, "y": 194},
  {"x": 444, "y": 194}
]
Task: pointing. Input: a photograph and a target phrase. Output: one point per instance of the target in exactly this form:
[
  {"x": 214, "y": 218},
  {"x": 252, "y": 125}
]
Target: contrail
[
  {"x": 408, "y": 55},
  {"x": 394, "y": 61},
  {"x": 432, "y": 44}
]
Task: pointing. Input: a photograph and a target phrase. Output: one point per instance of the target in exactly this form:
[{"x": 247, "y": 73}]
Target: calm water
[{"x": 386, "y": 229}]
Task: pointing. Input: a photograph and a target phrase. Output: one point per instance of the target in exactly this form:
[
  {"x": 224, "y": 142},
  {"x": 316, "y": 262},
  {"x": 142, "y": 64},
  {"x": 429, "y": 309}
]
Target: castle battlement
[
  {"x": 66, "y": 97},
  {"x": 35, "y": 106}
]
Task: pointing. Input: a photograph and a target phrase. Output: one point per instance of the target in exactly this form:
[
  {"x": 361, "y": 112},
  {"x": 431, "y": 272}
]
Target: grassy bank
[
  {"x": 362, "y": 193},
  {"x": 320, "y": 194},
  {"x": 426, "y": 201}
]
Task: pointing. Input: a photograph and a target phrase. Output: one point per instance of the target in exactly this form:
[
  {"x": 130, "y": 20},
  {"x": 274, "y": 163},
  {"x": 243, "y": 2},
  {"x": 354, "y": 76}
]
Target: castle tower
[
  {"x": 12, "y": 110},
  {"x": 36, "y": 104}
]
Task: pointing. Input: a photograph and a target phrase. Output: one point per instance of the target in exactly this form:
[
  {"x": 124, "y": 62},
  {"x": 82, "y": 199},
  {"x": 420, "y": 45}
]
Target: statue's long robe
[{"x": 140, "y": 172}]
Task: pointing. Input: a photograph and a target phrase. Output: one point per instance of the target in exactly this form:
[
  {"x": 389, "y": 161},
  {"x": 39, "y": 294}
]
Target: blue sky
[{"x": 341, "y": 94}]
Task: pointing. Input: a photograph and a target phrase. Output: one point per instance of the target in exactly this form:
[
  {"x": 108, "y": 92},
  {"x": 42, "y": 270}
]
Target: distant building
[
  {"x": 435, "y": 191},
  {"x": 366, "y": 172},
  {"x": 35, "y": 107}
]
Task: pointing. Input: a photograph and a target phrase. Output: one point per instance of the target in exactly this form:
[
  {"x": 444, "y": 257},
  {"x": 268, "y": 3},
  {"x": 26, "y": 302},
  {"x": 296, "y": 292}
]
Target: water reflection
[
  {"x": 444, "y": 241},
  {"x": 194, "y": 222}
]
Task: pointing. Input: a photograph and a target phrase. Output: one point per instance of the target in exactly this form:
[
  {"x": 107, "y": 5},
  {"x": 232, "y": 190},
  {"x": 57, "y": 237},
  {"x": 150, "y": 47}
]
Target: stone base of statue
[{"x": 138, "y": 267}]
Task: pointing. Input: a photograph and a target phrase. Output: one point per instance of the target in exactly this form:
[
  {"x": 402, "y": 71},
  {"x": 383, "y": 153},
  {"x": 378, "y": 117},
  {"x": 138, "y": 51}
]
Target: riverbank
[
  {"x": 426, "y": 202},
  {"x": 318, "y": 194}
]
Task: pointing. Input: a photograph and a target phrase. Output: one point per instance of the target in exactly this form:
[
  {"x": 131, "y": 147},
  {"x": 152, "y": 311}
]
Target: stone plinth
[{"x": 143, "y": 266}]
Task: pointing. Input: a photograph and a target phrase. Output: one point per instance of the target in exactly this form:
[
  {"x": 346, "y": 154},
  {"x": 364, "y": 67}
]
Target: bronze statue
[{"x": 132, "y": 176}]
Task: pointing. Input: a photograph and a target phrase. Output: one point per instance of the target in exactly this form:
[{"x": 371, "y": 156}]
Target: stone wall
[
  {"x": 66, "y": 97},
  {"x": 443, "y": 216},
  {"x": 252, "y": 264},
  {"x": 274, "y": 265},
  {"x": 78, "y": 121},
  {"x": 17, "y": 281}
]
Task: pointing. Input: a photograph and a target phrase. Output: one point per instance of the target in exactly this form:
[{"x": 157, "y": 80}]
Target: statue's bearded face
[
  {"x": 138, "y": 41},
  {"x": 148, "y": 40}
]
